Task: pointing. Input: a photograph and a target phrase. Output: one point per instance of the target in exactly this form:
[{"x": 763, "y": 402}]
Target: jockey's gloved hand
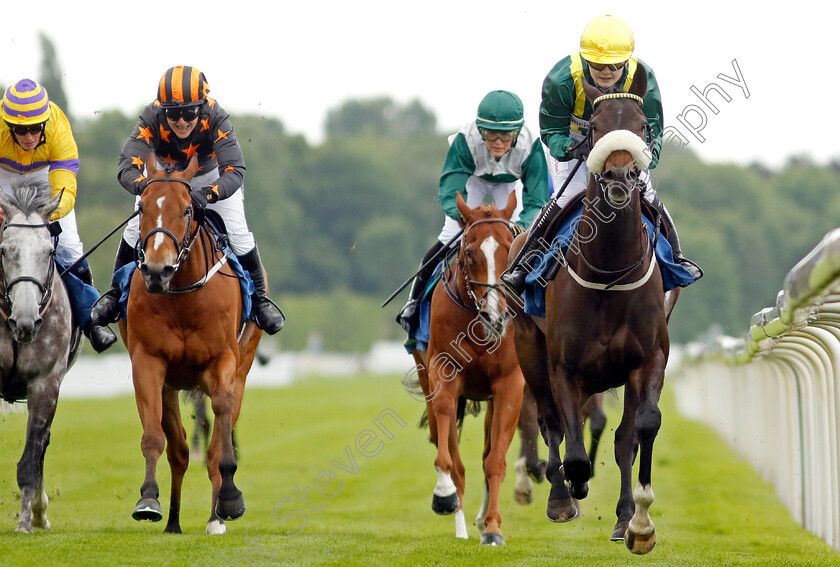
[
  {"x": 140, "y": 186},
  {"x": 201, "y": 197},
  {"x": 580, "y": 150},
  {"x": 516, "y": 229}
]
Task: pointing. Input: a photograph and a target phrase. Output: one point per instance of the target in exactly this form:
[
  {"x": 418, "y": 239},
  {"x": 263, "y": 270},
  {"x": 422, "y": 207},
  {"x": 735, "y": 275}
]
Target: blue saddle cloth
[
  {"x": 420, "y": 339},
  {"x": 673, "y": 274},
  {"x": 246, "y": 285}
]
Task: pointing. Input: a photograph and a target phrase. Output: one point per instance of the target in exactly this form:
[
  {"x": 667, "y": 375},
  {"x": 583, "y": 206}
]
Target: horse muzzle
[
  {"x": 24, "y": 329},
  {"x": 157, "y": 277}
]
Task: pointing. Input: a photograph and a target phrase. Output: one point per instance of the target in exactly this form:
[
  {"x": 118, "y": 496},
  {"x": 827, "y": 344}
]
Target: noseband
[{"x": 44, "y": 287}]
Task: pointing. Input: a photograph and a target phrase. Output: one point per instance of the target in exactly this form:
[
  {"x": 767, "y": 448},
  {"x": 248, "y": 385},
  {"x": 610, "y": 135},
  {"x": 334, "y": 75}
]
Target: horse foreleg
[
  {"x": 41, "y": 404},
  {"x": 445, "y": 498},
  {"x": 178, "y": 454},
  {"x": 625, "y": 453},
  {"x": 507, "y": 401},
  {"x": 533, "y": 360},
  {"x": 593, "y": 411},
  {"x": 148, "y": 374},
  {"x": 569, "y": 400},
  {"x": 641, "y": 535}
]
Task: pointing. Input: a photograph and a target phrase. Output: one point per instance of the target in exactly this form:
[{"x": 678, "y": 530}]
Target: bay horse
[
  {"x": 37, "y": 341},
  {"x": 605, "y": 324},
  {"x": 471, "y": 357},
  {"x": 184, "y": 331}
]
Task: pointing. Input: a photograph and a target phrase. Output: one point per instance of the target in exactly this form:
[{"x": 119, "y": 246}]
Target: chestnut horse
[
  {"x": 605, "y": 323},
  {"x": 471, "y": 356},
  {"x": 184, "y": 331}
]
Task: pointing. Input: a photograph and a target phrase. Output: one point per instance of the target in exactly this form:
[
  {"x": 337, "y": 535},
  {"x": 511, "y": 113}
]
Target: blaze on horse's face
[
  {"x": 166, "y": 215},
  {"x": 484, "y": 251}
]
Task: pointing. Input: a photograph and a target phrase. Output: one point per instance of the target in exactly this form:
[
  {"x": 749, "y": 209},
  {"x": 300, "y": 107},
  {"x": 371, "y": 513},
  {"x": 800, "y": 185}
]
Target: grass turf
[{"x": 710, "y": 508}]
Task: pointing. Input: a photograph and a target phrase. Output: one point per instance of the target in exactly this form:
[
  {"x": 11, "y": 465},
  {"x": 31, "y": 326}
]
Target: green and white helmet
[{"x": 500, "y": 110}]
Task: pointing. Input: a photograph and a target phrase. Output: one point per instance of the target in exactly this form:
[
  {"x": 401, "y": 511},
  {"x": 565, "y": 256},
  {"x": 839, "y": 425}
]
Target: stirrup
[
  {"x": 692, "y": 267},
  {"x": 274, "y": 322}
]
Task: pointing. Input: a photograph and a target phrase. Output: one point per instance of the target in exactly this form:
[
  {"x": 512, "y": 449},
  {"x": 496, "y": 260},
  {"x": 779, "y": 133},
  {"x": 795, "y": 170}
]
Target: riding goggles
[
  {"x": 24, "y": 129},
  {"x": 494, "y": 135},
  {"x": 188, "y": 113},
  {"x": 611, "y": 66}
]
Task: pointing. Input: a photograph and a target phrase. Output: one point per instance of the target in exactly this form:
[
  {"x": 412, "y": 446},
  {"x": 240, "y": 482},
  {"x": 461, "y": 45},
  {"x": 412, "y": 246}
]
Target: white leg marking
[
  {"x": 485, "y": 503},
  {"x": 444, "y": 486},
  {"x": 461, "y": 525},
  {"x": 640, "y": 523},
  {"x": 216, "y": 527}
]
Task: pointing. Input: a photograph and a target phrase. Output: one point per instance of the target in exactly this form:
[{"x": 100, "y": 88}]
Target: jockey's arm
[
  {"x": 457, "y": 168},
  {"x": 534, "y": 184},
  {"x": 63, "y": 180}
]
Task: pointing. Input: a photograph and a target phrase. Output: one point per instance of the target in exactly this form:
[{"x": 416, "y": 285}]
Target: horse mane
[{"x": 30, "y": 194}]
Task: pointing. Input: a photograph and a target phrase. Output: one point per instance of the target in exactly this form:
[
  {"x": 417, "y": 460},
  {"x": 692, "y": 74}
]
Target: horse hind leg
[
  {"x": 177, "y": 453},
  {"x": 529, "y": 468},
  {"x": 593, "y": 411}
]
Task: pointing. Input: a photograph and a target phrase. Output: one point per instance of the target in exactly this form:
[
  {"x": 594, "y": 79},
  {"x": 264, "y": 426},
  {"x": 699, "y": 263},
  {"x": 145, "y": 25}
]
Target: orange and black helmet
[{"x": 182, "y": 86}]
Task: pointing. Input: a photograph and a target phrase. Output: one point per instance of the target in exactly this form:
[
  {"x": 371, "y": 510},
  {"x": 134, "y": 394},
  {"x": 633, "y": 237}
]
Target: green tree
[{"x": 51, "y": 75}]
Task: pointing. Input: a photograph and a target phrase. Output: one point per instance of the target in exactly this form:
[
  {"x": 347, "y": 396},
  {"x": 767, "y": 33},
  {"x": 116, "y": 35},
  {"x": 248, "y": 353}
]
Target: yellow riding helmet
[
  {"x": 182, "y": 86},
  {"x": 607, "y": 39},
  {"x": 24, "y": 103}
]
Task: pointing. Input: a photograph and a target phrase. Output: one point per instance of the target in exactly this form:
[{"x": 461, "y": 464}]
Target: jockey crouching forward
[
  {"x": 181, "y": 123},
  {"x": 38, "y": 145},
  {"x": 604, "y": 60},
  {"x": 491, "y": 156}
]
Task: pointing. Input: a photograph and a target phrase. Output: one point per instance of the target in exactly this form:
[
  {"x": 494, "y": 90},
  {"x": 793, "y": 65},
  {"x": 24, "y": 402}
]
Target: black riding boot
[
  {"x": 107, "y": 308},
  {"x": 100, "y": 337},
  {"x": 514, "y": 277},
  {"x": 266, "y": 317},
  {"x": 409, "y": 315},
  {"x": 674, "y": 241}
]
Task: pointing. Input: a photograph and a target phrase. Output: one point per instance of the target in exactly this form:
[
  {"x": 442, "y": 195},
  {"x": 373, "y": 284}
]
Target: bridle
[
  {"x": 44, "y": 287},
  {"x": 184, "y": 246},
  {"x": 464, "y": 273}
]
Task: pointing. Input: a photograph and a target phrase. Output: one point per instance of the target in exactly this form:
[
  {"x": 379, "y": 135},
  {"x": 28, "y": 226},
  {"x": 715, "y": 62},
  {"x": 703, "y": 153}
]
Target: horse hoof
[
  {"x": 562, "y": 510},
  {"x": 620, "y": 530},
  {"x": 525, "y": 497},
  {"x": 639, "y": 543},
  {"x": 172, "y": 529},
  {"x": 492, "y": 539},
  {"x": 147, "y": 509},
  {"x": 444, "y": 505},
  {"x": 23, "y": 529},
  {"x": 230, "y": 509},
  {"x": 579, "y": 491}
]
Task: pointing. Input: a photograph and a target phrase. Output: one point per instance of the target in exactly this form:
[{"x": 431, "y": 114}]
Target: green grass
[{"x": 710, "y": 508}]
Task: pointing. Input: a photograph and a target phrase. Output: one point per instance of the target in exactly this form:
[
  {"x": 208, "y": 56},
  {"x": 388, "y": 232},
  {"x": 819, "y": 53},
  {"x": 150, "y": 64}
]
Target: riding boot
[
  {"x": 514, "y": 276},
  {"x": 674, "y": 241},
  {"x": 107, "y": 308},
  {"x": 409, "y": 315},
  {"x": 100, "y": 337},
  {"x": 266, "y": 317}
]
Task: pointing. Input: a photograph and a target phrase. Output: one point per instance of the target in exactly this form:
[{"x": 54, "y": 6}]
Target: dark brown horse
[
  {"x": 605, "y": 324},
  {"x": 184, "y": 331},
  {"x": 471, "y": 356}
]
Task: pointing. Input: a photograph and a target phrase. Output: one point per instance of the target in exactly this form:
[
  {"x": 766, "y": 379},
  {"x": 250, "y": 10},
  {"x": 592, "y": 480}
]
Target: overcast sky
[{"x": 296, "y": 60}]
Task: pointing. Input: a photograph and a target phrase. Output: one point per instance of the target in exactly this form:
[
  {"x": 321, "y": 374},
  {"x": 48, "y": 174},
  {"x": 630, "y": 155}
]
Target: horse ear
[
  {"x": 507, "y": 212},
  {"x": 49, "y": 206},
  {"x": 465, "y": 211},
  {"x": 151, "y": 164},
  {"x": 639, "y": 85},
  {"x": 192, "y": 167},
  {"x": 591, "y": 92}
]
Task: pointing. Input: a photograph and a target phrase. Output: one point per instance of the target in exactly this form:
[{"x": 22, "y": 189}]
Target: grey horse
[{"x": 37, "y": 341}]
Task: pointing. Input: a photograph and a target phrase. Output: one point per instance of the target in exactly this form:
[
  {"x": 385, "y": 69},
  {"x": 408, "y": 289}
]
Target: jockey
[
  {"x": 491, "y": 156},
  {"x": 605, "y": 59},
  {"x": 182, "y": 122},
  {"x": 38, "y": 144}
]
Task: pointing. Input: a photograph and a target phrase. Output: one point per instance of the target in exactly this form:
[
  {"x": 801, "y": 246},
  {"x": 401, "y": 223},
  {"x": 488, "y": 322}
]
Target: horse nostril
[
  {"x": 167, "y": 272},
  {"x": 144, "y": 270}
]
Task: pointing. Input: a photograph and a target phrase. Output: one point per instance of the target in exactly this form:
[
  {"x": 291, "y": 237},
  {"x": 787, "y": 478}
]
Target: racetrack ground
[{"x": 710, "y": 507}]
